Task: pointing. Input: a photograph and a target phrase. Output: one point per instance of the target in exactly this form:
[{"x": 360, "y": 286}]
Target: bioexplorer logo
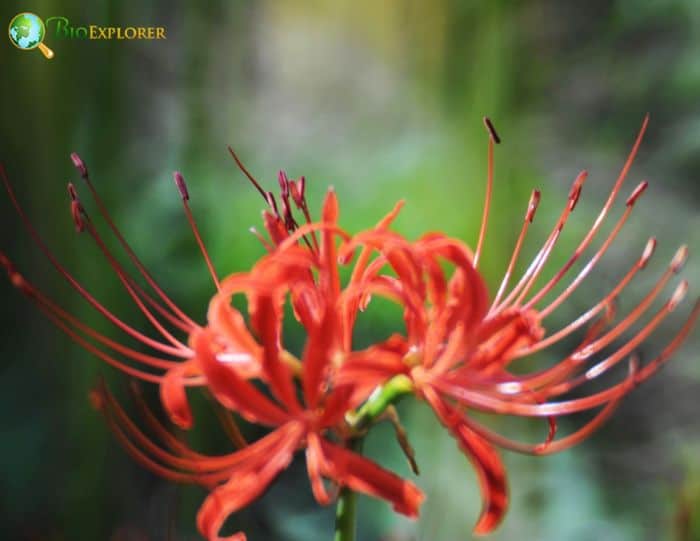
[{"x": 27, "y": 31}]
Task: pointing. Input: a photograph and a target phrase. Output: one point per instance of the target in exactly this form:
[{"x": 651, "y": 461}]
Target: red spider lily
[
  {"x": 170, "y": 361},
  {"x": 457, "y": 349},
  {"x": 459, "y": 345},
  {"x": 298, "y": 423},
  {"x": 225, "y": 354}
]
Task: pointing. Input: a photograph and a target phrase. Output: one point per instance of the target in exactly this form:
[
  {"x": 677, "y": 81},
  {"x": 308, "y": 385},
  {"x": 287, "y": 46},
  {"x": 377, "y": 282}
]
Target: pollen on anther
[
  {"x": 678, "y": 295},
  {"x": 679, "y": 259},
  {"x": 648, "y": 252}
]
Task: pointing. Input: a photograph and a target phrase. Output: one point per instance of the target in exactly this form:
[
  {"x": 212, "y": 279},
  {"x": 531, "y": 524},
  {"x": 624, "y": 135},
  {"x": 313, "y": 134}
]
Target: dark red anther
[
  {"x": 576, "y": 188},
  {"x": 181, "y": 186},
  {"x": 532, "y": 205},
  {"x": 76, "y": 209},
  {"x": 638, "y": 191},
  {"x": 284, "y": 184},
  {"x": 678, "y": 295},
  {"x": 79, "y": 164},
  {"x": 492, "y": 131}
]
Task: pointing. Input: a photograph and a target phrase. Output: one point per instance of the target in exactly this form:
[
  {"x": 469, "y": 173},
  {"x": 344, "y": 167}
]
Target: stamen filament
[
  {"x": 129, "y": 251},
  {"x": 595, "y": 310},
  {"x": 540, "y": 258},
  {"x": 76, "y": 285},
  {"x": 132, "y": 293},
  {"x": 593, "y": 261},
  {"x": 529, "y": 217},
  {"x": 185, "y": 196},
  {"x": 493, "y": 139}
]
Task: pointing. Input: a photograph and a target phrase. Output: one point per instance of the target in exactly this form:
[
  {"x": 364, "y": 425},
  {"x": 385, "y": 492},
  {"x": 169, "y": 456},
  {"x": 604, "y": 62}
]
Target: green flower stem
[
  {"x": 384, "y": 396},
  {"x": 346, "y": 508}
]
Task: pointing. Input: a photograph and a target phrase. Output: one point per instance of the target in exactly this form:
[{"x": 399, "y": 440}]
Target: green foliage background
[{"x": 383, "y": 100}]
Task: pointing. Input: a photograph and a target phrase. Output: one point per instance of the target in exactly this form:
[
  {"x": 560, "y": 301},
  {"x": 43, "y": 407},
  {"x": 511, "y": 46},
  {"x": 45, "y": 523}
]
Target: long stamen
[
  {"x": 631, "y": 200},
  {"x": 78, "y": 162},
  {"x": 527, "y": 280},
  {"x": 593, "y": 344},
  {"x": 87, "y": 224},
  {"x": 200, "y": 464},
  {"x": 560, "y": 371},
  {"x": 607, "y": 363},
  {"x": 628, "y": 321},
  {"x": 185, "y": 196},
  {"x": 546, "y": 447},
  {"x": 167, "y": 437},
  {"x": 613, "y": 195},
  {"x": 247, "y": 174},
  {"x": 129, "y": 370},
  {"x": 573, "y": 201},
  {"x": 529, "y": 217},
  {"x": 36, "y": 295},
  {"x": 493, "y": 139},
  {"x": 490, "y": 403},
  {"x": 595, "y": 310},
  {"x": 76, "y": 285}
]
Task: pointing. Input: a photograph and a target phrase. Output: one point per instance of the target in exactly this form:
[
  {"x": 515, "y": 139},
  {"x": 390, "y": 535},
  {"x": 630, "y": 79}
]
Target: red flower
[
  {"x": 225, "y": 354},
  {"x": 289, "y": 270},
  {"x": 456, "y": 352},
  {"x": 459, "y": 345},
  {"x": 298, "y": 422}
]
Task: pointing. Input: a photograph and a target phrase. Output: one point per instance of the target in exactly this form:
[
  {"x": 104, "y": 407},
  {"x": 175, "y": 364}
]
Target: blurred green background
[{"x": 383, "y": 100}]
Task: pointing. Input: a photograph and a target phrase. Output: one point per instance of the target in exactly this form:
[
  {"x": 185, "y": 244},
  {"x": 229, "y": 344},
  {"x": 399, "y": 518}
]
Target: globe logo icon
[{"x": 27, "y": 32}]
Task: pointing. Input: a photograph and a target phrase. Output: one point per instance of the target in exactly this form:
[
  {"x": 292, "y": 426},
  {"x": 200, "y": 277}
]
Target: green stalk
[
  {"x": 346, "y": 508},
  {"x": 389, "y": 393}
]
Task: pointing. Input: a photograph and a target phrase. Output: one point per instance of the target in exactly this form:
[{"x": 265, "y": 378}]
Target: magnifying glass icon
[{"x": 27, "y": 32}]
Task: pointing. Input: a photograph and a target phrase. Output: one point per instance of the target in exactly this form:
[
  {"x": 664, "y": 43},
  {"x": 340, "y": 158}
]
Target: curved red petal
[
  {"x": 173, "y": 396},
  {"x": 247, "y": 483},
  {"x": 267, "y": 320},
  {"x": 314, "y": 461},
  {"x": 362, "y": 475},
  {"x": 484, "y": 458},
  {"x": 232, "y": 390}
]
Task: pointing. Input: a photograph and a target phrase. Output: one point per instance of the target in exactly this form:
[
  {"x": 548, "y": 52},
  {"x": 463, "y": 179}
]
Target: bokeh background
[{"x": 383, "y": 100}]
